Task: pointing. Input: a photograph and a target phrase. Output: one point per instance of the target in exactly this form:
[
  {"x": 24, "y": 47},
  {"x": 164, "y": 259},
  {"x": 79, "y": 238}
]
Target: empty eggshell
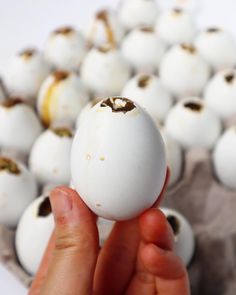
[
  {"x": 104, "y": 71},
  {"x": 193, "y": 124},
  {"x": 25, "y": 73},
  {"x": 104, "y": 28},
  {"x": 65, "y": 49},
  {"x": 61, "y": 98},
  {"x": 224, "y": 158},
  {"x": 17, "y": 189},
  {"x": 143, "y": 49},
  {"x": 116, "y": 179},
  {"x": 135, "y": 13},
  {"x": 175, "y": 157},
  {"x": 50, "y": 156},
  {"x": 183, "y": 235},
  {"x": 217, "y": 47},
  {"x": 148, "y": 91},
  {"x": 183, "y": 71},
  {"x": 176, "y": 26},
  {"x": 33, "y": 233},
  {"x": 220, "y": 93},
  {"x": 19, "y": 125}
]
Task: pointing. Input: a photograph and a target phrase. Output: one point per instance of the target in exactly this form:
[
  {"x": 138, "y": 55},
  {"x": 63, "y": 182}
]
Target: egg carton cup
[{"x": 208, "y": 205}]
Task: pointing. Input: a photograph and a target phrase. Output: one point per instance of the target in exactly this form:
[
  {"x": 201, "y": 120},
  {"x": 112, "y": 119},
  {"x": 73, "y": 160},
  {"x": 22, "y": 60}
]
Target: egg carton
[{"x": 208, "y": 205}]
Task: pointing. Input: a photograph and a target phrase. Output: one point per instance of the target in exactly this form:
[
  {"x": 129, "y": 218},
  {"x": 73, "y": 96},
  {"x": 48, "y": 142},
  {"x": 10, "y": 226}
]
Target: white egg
[
  {"x": 183, "y": 71},
  {"x": 61, "y": 98},
  {"x": 17, "y": 189},
  {"x": 217, "y": 47},
  {"x": 143, "y": 49},
  {"x": 135, "y": 13},
  {"x": 224, "y": 158},
  {"x": 105, "y": 28},
  {"x": 176, "y": 26},
  {"x": 104, "y": 71},
  {"x": 33, "y": 233},
  {"x": 118, "y": 163},
  {"x": 175, "y": 158},
  {"x": 184, "y": 245},
  {"x": 19, "y": 126},
  {"x": 84, "y": 112},
  {"x": 193, "y": 124},
  {"x": 25, "y": 73},
  {"x": 220, "y": 93},
  {"x": 148, "y": 91},
  {"x": 50, "y": 156},
  {"x": 65, "y": 49}
]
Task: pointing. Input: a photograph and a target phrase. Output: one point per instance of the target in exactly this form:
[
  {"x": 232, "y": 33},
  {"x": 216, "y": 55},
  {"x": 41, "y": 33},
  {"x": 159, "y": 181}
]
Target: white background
[{"x": 26, "y": 23}]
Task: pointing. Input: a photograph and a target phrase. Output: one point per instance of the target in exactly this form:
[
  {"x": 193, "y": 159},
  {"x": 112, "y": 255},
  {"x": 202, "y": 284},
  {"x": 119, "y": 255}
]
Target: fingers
[
  {"x": 76, "y": 246},
  {"x": 117, "y": 259},
  {"x": 170, "y": 273}
]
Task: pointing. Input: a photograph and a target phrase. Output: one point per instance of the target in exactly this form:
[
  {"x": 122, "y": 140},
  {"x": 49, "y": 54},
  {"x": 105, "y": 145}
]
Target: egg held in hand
[{"x": 118, "y": 163}]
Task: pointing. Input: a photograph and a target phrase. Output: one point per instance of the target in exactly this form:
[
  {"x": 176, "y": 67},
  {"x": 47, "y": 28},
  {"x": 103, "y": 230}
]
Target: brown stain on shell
[
  {"x": 9, "y": 166},
  {"x": 63, "y": 132},
  {"x": 66, "y": 30},
  {"x": 188, "y": 47},
  {"x": 27, "y": 53}
]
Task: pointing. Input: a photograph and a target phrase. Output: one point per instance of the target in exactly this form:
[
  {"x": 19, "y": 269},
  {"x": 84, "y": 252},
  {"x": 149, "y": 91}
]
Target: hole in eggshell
[
  {"x": 62, "y": 132},
  {"x": 27, "y": 53},
  {"x": 174, "y": 223},
  {"x": 118, "y": 104},
  {"x": 193, "y": 106},
  {"x": 229, "y": 78},
  {"x": 177, "y": 11},
  {"x": 12, "y": 101},
  {"x": 188, "y": 47},
  {"x": 45, "y": 208},
  {"x": 105, "y": 48},
  {"x": 64, "y": 30},
  {"x": 143, "y": 81},
  {"x": 9, "y": 166},
  {"x": 60, "y": 75},
  {"x": 212, "y": 30},
  {"x": 147, "y": 29}
]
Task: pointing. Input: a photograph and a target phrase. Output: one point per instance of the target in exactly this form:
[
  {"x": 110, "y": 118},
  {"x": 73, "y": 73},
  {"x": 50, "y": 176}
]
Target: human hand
[{"x": 136, "y": 259}]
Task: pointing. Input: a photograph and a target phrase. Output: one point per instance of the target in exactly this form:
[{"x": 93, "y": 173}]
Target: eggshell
[
  {"x": 104, "y": 71},
  {"x": 176, "y": 26},
  {"x": 61, "y": 98},
  {"x": 220, "y": 93},
  {"x": 193, "y": 124},
  {"x": 25, "y": 73},
  {"x": 65, "y": 49},
  {"x": 19, "y": 126},
  {"x": 84, "y": 112},
  {"x": 148, "y": 91},
  {"x": 183, "y": 71},
  {"x": 104, "y": 27},
  {"x": 217, "y": 47},
  {"x": 184, "y": 238},
  {"x": 118, "y": 163},
  {"x": 224, "y": 158},
  {"x": 135, "y": 13},
  {"x": 33, "y": 233},
  {"x": 17, "y": 189},
  {"x": 50, "y": 157}
]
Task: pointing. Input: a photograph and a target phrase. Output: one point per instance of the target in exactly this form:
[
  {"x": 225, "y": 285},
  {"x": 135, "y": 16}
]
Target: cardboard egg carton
[{"x": 209, "y": 206}]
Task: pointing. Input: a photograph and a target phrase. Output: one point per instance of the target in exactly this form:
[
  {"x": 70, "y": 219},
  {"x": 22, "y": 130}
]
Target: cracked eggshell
[
  {"x": 193, "y": 124},
  {"x": 175, "y": 158},
  {"x": 143, "y": 49},
  {"x": 184, "y": 241},
  {"x": 33, "y": 233},
  {"x": 183, "y": 71},
  {"x": 61, "y": 98},
  {"x": 106, "y": 163},
  {"x": 104, "y": 71},
  {"x": 176, "y": 26},
  {"x": 224, "y": 158},
  {"x": 19, "y": 125},
  {"x": 50, "y": 156},
  {"x": 220, "y": 93},
  {"x": 104, "y": 28},
  {"x": 17, "y": 189},
  {"x": 25, "y": 73},
  {"x": 135, "y": 13},
  {"x": 65, "y": 49},
  {"x": 218, "y": 48},
  {"x": 148, "y": 92}
]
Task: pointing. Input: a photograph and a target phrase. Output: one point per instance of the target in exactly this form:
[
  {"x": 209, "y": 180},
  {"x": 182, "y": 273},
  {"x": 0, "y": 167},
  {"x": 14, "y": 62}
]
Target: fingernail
[{"x": 61, "y": 202}]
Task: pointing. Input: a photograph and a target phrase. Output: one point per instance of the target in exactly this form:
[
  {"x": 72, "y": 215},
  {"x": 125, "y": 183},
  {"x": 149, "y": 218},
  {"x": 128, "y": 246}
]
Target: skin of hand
[{"x": 136, "y": 259}]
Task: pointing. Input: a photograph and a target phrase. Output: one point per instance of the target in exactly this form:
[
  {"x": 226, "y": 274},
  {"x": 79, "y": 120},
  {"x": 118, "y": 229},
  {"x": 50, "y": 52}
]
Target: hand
[{"x": 136, "y": 259}]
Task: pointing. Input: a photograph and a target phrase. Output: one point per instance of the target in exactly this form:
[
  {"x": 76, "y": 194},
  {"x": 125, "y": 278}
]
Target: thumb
[{"x": 76, "y": 245}]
